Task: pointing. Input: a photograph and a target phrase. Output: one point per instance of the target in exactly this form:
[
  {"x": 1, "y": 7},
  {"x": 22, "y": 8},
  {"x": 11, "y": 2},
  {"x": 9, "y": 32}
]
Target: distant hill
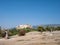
[
  {"x": 51, "y": 25},
  {"x": 54, "y": 25}
]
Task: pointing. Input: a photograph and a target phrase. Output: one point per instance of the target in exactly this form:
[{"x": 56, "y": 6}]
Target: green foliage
[
  {"x": 27, "y": 29},
  {"x": 40, "y": 28},
  {"x": 48, "y": 28},
  {"x": 13, "y": 31},
  {"x": 57, "y": 28}
]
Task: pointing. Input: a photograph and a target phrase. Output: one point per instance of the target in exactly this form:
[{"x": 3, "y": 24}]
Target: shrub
[
  {"x": 10, "y": 34},
  {"x": 13, "y": 31},
  {"x": 21, "y": 32},
  {"x": 40, "y": 28},
  {"x": 3, "y": 34},
  {"x": 28, "y": 29}
]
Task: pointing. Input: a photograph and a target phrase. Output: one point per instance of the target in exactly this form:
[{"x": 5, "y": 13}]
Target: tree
[
  {"x": 47, "y": 28},
  {"x": 58, "y": 28},
  {"x": 40, "y": 28},
  {"x": 13, "y": 31},
  {"x": 0, "y": 29},
  {"x": 52, "y": 28},
  {"x": 28, "y": 29}
]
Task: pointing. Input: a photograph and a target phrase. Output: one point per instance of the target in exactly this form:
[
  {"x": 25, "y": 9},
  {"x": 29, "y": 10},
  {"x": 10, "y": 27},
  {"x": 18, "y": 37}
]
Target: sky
[{"x": 33, "y": 12}]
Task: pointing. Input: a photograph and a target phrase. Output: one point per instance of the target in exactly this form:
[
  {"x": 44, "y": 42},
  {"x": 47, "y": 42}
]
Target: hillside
[{"x": 34, "y": 38}]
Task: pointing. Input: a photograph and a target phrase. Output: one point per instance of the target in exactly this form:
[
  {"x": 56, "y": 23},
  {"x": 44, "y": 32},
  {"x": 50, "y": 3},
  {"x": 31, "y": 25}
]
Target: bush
[
  {"x": 3, "y": 34},
  {"x": 28, "y": 29},
  {"x": 21, "y": 32},
  {"x": 10, "y": 34},
  {"x": 40, "y": 28},
  {"x": 13, "y": 32}
]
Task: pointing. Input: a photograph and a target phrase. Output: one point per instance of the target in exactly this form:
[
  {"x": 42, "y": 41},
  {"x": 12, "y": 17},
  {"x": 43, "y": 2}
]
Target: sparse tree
[
  {"x": 40, "y": 28},
  {"x": 58, "y": 28},
  {"x": 47, "y": 28},
  {"x": 13, "y": 31}
]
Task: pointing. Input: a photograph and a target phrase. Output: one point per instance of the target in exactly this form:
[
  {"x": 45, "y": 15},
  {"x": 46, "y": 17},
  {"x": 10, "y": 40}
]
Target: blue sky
[{"x": 34, "y": 12}]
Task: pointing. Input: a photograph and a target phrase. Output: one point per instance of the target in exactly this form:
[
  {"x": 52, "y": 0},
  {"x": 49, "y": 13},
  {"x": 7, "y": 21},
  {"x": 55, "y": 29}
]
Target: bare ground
[{"x": 34, "y": 38}]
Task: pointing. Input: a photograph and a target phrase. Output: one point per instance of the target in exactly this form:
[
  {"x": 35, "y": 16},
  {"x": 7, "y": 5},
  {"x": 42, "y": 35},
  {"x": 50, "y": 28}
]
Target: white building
[{"x": 23, "y": 26}]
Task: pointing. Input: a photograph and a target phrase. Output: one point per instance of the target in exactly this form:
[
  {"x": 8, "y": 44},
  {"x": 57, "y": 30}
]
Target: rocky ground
[{"x": 34, "y": 38}]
